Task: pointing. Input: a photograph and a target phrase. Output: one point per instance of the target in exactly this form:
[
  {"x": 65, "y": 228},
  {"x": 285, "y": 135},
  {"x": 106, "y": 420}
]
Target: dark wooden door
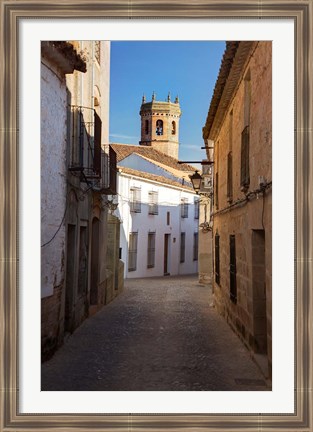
[
  {"x": 70, "y": 276},
  {"x": 166, "y": 246}
]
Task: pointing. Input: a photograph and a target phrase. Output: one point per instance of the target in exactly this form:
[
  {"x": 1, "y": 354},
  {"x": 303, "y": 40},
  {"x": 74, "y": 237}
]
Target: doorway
[
  {"x": 94, "y": 277},
  {"x": 70, "y": 274},
  {"x": 259, "y": 291},
  {"x": 166, "y": 254},
  {"x": 232, "y": 268}
]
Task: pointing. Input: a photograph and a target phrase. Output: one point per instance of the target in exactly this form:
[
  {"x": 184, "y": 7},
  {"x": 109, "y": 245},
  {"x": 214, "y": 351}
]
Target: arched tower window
[
  {"x": 159, "y": 127},
  {"x": 146, "y": 127},
  {"x": 173, "y": 128}
]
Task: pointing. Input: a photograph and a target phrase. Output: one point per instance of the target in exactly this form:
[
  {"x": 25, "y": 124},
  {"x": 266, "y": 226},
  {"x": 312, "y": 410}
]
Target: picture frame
[{"x": 301, "y": 12}]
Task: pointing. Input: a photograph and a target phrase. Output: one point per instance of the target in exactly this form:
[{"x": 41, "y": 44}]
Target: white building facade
[
  {"x": 159, "y": 225},
  {"x": 157, "y": 206}
]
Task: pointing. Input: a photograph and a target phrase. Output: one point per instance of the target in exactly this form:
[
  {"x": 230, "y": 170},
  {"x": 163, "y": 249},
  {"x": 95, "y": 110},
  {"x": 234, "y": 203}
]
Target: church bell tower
[{"x": 160, "y": 125}]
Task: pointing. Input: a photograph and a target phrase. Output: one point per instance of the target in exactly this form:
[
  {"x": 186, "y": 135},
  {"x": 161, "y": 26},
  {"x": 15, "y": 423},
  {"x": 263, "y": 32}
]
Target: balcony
[{"x": 93, "y": 163}]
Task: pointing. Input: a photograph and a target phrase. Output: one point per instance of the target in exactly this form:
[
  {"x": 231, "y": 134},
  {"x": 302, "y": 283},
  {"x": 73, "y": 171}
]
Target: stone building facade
[
  {"x": 77, "y": 276},
  {"x": 239, "y": 127}
]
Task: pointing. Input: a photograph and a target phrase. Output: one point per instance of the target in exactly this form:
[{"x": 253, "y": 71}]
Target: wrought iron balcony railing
[{"x": 87, "y": 159}]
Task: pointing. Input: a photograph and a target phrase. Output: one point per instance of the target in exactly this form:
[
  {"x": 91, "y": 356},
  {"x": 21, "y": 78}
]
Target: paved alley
[{"x": 158, "y": 334}]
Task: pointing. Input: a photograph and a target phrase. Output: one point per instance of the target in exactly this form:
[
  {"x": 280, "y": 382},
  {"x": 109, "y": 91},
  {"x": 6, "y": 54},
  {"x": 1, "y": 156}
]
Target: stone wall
[
  {"x": 249, "y": 221},
  {"x": 52, "y": 317},
  {"x": 115, "y": 280}
]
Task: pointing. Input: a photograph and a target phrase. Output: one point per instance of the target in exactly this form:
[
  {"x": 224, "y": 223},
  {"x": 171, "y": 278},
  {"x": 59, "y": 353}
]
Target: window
[
  {"x": 229, "y": 177},
  {"x": 244, "y": 172},
  {"x": 247, "y": 98},
  {"x": 151, "y": 250},
  {"x": 159, "y": 127},
  {"x": 168, "y": 218},
  {"x": 182, "y": 246},
  {"x": 197, "y": 207},
  {"x": 146, "y": 127},
  {"x": 184, "y": 207},
  {"x": 85, "y": 143},
  {"x": 195, "y": 246},
  {"x": 83, "y": 260},
  {"x": 216, "y": 191},
  {"x": 232, "y": 268},
  {"x": 153, "y": 203},
  {"x": 245, "y": 135},
  {"x": 132, "y": 251},
  {"x": 135, "y": 199},
  {"x": 173, "y": 128},
  {"x": 217, "y": 258}
]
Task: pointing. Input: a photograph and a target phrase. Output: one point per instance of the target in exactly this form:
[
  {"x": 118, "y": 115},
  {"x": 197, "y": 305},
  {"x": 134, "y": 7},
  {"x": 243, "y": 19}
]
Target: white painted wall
[
  {"x": 169, "y": 200},
  {"x": 53, "y": 176}
]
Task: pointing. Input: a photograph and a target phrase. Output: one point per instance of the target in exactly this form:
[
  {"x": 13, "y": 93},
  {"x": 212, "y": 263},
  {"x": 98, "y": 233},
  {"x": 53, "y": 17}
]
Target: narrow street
[{"x": 159, "y": 334}]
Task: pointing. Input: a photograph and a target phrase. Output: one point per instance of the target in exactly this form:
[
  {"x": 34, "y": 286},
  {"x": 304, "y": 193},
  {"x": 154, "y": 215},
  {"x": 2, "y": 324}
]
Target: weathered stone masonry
[{"x": 241, "y": 110}]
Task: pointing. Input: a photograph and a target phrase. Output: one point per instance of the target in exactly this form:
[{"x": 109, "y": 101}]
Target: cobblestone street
[{"x": 159, "y": 334}]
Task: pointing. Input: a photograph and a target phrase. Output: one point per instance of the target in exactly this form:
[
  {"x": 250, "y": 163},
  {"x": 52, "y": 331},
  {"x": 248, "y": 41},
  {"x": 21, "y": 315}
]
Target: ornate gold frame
[{"x": 301, "y": 12}]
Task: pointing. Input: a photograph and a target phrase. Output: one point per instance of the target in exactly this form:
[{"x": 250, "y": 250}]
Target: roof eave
[{"x": 233, "y": 65}]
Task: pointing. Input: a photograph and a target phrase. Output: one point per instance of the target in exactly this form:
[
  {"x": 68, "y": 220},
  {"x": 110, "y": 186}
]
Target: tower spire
[
  {"x": 144, "y": 98},
  {"x": 153, "y": 95},
  {"x": 169, "y": 97}
]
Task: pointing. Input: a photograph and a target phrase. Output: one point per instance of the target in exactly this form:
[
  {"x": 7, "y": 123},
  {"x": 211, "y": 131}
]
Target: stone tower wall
[{"x": 168, "y": 112}]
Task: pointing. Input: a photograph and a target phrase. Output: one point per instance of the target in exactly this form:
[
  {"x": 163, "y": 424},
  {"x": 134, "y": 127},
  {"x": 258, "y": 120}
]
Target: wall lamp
[{"x": 196, "y": 180}]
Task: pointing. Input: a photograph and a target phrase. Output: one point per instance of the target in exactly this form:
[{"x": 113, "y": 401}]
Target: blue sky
[{"x": 186, "y": 69}]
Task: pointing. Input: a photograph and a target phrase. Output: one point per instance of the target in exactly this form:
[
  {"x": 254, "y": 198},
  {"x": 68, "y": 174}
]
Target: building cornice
[
  {"x": 234, "y": 62},
  {"x": 63, "y": 55}
]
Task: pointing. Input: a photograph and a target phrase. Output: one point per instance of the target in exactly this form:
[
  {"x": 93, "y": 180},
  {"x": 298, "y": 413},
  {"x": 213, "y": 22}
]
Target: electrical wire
[
  {"x": 63, "y": 218},
  {"x": 247, "y": 198},
  {"x": 54, "y": 235}
]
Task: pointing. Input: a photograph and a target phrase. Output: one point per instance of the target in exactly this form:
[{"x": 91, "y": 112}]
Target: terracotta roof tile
[
  {"x": 124, "y": 150},
  {"x": 153, "y": 177}
]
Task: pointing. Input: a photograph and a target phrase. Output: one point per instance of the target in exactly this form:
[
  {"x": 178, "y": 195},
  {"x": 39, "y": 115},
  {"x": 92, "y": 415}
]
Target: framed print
[{"x": 27, "y": 29}]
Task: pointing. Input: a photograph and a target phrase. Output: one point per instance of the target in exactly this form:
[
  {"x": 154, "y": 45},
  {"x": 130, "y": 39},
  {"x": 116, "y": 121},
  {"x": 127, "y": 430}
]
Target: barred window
[
  {"x": 135, "y": 200},
  {"x": 197, "y": 207},
  {"x": 184, "y": 207},
  {"x": 195, "y": 246},
  {"x": 182, "y": 246},
  {"x": 153, "y": 203},
  {"x": 151, "y": 250},
  {"x": 132, "y": 251}
]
